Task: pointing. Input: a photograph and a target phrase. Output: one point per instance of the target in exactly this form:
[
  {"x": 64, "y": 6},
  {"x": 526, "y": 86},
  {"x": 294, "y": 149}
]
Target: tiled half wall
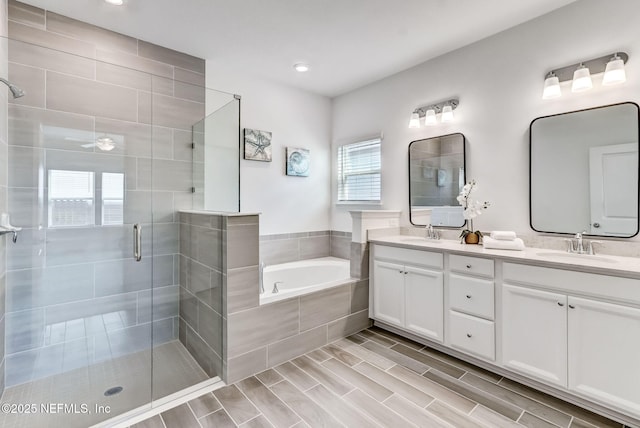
[
  {"x": 74, "y": 295},
  {"x": 256, "y": 337}
]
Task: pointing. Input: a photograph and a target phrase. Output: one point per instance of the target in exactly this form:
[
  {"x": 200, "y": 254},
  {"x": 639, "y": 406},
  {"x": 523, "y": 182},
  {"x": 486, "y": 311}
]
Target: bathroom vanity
[{"x": 563, "y": 323}]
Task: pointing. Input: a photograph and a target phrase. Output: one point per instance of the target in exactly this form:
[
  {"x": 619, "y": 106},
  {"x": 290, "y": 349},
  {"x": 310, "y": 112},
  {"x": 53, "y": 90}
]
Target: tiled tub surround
[
  {"x": 555, "y": 321},
  {"x": 74, "y": 295},
  {"x": 258, "y": 336},
  {"x": 291, "y": 247}
]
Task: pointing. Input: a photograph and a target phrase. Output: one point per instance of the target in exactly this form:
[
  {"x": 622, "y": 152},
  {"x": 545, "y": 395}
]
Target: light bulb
[
  {"x": 301, "y": 67},
  {"x": 447, "y": 114},
  {"x": 115, "y": 2},
  {"x": 581, "y": 79},
  {"x": 614, "y": 73},
  {"x": 430, "y": 117},
  {"x": 414, "y": 122},
  {"x": 551, "y": 87}
]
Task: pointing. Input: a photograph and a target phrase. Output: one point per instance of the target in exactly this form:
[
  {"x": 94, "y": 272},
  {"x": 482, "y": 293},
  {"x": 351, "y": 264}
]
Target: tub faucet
[
  {"x": 275, "y": 286},
  {"x": 261, "y": 277}
]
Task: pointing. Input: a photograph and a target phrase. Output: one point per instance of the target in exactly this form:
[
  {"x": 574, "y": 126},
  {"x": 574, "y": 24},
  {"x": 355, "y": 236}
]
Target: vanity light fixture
[
  {"x": 430, "y": 117},
  {"x": 579, "y": 74},
  {"x": 447, "y": 114},
  {"x": 414, "y": 122},
  {"x": 301, "y": 67},
  {"x": 115, "y": 2},
  {"x": 430, "y": 112},
  {"x": 581, "y": 79},
  {"x": 614, "y": 72},
  {"x": 551, "y": 87}
]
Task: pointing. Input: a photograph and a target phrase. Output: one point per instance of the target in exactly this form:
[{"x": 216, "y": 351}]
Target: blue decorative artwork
[
  {"x": 257, "y": 145},
  {"x": 298, "y": 162}
]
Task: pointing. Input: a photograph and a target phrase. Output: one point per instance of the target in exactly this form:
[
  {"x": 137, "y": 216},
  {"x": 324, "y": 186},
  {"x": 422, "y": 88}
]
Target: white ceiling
[{"x": 348, "y": 43}]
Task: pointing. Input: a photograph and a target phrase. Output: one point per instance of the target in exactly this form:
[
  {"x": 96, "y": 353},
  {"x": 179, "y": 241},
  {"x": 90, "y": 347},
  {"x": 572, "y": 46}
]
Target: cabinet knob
[
  {"x": 468, "y": 266},
  {"x": 469, "y": 335},
  {"x": 560, "y": 304},
  {"x": 401, "y": 271},
  {"x": 572, "y": 307},
  {"x": 406, "y": 273},
  {"x": 468, "y": 296}
]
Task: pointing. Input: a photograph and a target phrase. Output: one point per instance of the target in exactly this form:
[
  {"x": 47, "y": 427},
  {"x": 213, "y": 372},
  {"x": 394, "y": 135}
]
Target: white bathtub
[{"x": 303, "y": 277}]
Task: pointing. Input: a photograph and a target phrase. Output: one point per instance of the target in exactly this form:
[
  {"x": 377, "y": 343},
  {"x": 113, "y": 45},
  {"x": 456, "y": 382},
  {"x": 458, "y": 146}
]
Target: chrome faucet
[
  {"x": 578, "y": 245},
  {"x": 431, "y": 233},
  {"x": 261, "y": 277}
]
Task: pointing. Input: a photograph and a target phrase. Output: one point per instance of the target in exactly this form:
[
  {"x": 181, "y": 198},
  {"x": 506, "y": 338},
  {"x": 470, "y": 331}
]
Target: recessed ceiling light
[
  {"x": 116, "y": 2},
  {"x": 301, "y": 67}
]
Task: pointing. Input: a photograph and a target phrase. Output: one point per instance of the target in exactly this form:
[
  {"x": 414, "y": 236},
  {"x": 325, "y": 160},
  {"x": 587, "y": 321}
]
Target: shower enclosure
[{"x": 101, "y": 155}]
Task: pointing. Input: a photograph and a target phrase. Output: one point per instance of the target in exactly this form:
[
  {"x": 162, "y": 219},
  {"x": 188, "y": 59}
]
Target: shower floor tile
[{"x": 174, "y": 369}]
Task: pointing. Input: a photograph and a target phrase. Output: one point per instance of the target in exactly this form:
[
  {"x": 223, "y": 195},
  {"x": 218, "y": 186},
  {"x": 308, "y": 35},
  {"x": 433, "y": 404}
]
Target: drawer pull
[
  {"x": 468, "y": 296},
  {"x": 560, "y": 304},
  {"x": 572, "y": 307},
  {"x": 469, "y": 335},
  {"x": 468, "y": 266}
]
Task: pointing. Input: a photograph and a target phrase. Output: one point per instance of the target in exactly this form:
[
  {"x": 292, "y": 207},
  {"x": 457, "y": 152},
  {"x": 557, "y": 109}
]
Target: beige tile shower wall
[
  {"x": 82, "y": 82},
  {"x": 3, "y": 180}
]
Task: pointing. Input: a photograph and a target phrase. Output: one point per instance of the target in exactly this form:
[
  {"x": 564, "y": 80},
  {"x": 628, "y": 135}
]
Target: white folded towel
[
  {"x": 503, "y": 235},
  {"x": 498, "y": 244}
]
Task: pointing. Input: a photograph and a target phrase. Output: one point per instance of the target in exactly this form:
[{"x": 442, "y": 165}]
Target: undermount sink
[{"x": 585, "y": 257}]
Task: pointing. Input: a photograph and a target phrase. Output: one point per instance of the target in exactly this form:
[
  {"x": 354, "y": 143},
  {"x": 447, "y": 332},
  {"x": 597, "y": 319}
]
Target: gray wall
[
  {"x": 291, "y": 247},
  {"x": 74, "y": 295},
  {"x": 3, "y": 180},
  {"x": 201, "y": 277}
]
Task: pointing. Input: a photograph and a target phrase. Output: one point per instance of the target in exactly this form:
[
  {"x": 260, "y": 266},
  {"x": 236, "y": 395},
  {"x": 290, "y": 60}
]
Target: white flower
[{"x": 472, "y": 207}]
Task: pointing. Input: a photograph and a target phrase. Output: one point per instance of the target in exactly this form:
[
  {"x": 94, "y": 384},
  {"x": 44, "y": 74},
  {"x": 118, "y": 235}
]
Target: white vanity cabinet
[
  {"x": 534, "y": 333},
  {"x": 471, "y": 327},
  {"x": 407, "y": 290},
  {"x": 589, "y": 345}
]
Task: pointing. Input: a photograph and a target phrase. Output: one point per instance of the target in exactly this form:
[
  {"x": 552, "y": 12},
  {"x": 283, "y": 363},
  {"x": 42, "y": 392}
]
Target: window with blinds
[
  {"x": 359, "y": 171},
  {"x": 71, "y": 198},
  {"x": 112, "y": 198}
]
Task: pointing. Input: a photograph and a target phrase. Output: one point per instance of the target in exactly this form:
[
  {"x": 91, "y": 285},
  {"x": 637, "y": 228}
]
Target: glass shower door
[{"x": 79, "y": 318}]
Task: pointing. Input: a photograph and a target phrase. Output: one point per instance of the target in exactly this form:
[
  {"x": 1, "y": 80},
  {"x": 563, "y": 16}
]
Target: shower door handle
[{"x": 137, "y": 242}]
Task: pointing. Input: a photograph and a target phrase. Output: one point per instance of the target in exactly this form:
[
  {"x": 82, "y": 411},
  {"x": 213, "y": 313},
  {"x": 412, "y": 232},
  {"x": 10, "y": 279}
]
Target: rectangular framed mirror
[
  {"x": 436, "y": 176},
  {"x": 584, "y": 171}
]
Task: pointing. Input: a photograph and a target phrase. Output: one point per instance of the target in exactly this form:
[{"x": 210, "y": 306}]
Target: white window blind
[
  {"x": 112, "y": 198},
  {"x": 71, "y": 198},
  {"x": 359, "y": 172}
]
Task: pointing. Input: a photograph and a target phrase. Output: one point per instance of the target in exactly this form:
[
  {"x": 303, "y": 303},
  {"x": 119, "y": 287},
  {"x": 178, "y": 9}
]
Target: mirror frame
[
  {"x": 464, "y": 167},
  {"x": 530, "y": 165}
]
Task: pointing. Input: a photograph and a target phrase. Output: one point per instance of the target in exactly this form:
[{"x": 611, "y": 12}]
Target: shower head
[{"x": 15, "y": 91}]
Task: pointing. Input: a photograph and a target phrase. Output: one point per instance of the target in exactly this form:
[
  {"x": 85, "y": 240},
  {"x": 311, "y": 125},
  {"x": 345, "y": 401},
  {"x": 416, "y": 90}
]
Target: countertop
[{"x": 599, "y": 264}]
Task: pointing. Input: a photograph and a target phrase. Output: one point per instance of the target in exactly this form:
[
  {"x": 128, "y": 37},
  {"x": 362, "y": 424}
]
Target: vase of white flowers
[{"x": 472, "y": 209}]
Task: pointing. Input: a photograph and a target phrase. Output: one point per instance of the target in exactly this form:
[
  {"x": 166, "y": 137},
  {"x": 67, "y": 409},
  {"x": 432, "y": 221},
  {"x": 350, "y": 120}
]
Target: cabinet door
[
  {"x": 388, "y": 292},
  {"x": 424, "y": 302},
  {"x": 534, "y": 333},
  {"x": 604, "y": 352}
]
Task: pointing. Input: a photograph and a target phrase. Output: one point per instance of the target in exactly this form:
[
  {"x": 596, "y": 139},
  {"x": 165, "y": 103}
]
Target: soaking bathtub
[{"x": 303, "y": 277}]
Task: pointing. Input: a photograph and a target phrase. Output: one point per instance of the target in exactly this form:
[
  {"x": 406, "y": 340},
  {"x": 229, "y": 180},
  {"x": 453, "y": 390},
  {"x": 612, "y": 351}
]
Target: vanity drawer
[
  {"x": 471, "y": 265},
  {"x": 472, "y": 334},
  {"x": 473, "y": 296},
  {"x": 412, "y": 257}
]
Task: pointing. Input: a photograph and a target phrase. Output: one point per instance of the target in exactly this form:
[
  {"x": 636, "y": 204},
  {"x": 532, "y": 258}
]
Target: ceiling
[{"x": 347, "y": 43}]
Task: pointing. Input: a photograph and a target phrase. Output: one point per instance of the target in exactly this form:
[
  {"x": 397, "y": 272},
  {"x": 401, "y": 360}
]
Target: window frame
[{"x": 340, "y": 188}]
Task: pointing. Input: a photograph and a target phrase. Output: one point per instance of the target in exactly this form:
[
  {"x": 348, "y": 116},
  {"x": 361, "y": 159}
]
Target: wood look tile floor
[{"x": 376, "y": 379}]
